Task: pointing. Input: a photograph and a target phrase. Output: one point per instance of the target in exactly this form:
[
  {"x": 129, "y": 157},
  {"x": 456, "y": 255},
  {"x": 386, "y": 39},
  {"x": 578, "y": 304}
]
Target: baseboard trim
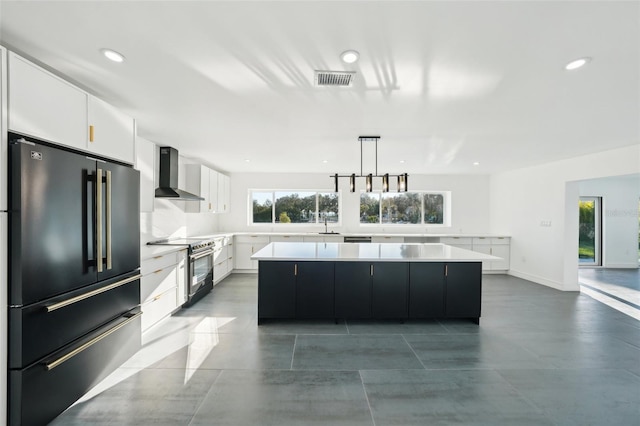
[{"x": 539, "y": 280}]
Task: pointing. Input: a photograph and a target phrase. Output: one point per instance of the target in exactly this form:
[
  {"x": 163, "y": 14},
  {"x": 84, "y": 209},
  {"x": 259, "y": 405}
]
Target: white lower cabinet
[
  {"x": 222, "y": 258},
  {"x": 245, "y": 247},
  {"x": 387, "y": 239},
  {"x": 162, "y": 286},
  {"x": 499, "y": 247},
  {"x": 460, "y": 242}
]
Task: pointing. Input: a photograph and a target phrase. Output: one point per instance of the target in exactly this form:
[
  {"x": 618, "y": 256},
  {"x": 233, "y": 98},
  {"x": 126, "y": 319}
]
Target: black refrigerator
[{"x": 74, "y": 275}]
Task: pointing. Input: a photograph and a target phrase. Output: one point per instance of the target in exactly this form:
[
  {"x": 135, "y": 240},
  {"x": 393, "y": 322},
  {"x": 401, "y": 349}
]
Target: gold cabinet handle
[
  {"x": 91, "y": 133},
  {"x": 108, "y": 224},
  {"x": 371, "y": 270},
  {"x": 295, "y": 269},
  {"x": 99, "y": 220}
]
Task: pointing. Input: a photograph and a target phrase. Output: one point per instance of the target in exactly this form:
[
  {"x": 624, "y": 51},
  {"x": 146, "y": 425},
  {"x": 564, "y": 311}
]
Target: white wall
[
  {"x": 619, "y": 218},
  {"x": 522, "y": 200},
  {"x": 469, "y": 197}
]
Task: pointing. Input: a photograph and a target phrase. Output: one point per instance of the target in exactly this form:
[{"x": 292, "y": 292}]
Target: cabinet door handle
[
  {"x": 91, "y": 133},
  {"x": 446, "y": 270},
  {"x": 295, "y": 269},
  {"x": 371, "y": 270}
]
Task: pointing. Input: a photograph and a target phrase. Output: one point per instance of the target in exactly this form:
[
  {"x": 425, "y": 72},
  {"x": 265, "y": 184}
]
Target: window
[
  {"x": 308, "y": 207},
  {"x": 413, "y": 208},
  {"x": 590, "y": 225}
]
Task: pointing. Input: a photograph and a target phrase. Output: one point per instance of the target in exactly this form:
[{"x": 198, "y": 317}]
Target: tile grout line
[
  {"x": 413, "y": 351},
  {"x": 293, "y": 352},
  {"x": 205, "y": 397},
  {"x": 366, "y": 397},
  {"x": 525, "y": 398}
]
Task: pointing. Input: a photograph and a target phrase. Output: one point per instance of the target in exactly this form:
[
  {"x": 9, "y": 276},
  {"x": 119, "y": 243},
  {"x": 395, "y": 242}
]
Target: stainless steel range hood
[{"x": 169, "y": 177}]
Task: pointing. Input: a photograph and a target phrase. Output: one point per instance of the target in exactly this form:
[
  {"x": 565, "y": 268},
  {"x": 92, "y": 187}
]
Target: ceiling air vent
[{"x": 334, "y": 78}]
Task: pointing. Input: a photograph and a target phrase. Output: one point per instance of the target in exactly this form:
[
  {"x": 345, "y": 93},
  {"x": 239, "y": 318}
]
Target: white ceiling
[{"x": 444, "y": 84}]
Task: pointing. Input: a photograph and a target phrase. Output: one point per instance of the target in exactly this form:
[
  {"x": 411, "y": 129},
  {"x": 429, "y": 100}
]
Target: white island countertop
[{"x": 369, "y": 252}]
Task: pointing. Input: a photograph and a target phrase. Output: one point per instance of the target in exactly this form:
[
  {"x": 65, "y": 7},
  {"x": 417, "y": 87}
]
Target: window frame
[
  {"x": 273, "y": 222},
  {"x": 446, "y": 210}
]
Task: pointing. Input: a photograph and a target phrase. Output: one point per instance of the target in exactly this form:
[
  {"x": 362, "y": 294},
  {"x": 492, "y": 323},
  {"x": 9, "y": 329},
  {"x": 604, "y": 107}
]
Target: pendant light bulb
[
  {"x": 385, "y": 182},
  {"x": 352, "y": 183},
  {"x": 369, "y": 184}
]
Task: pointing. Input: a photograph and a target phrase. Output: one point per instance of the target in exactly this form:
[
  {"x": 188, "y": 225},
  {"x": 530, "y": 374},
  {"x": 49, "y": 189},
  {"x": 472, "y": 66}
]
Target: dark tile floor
[{"x": 538, "y": 357}]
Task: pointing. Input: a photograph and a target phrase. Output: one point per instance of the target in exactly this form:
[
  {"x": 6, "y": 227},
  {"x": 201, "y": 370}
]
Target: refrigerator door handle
[
  {"x": 109, "y": 208},
  {"x": 53, "y": 364},
  {"x": 99, "y": 220}
]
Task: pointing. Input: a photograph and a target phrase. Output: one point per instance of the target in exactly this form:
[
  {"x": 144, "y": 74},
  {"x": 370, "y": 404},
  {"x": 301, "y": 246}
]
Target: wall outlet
[{"x": 545, "y": 223}]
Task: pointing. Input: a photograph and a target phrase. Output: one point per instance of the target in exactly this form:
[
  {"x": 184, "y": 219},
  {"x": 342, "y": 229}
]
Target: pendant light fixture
[{"x": 402, "y": 178}]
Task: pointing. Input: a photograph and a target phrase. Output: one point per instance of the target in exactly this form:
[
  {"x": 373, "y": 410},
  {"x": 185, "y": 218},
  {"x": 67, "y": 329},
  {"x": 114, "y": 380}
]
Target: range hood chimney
[{"x": 169, "y": 177}]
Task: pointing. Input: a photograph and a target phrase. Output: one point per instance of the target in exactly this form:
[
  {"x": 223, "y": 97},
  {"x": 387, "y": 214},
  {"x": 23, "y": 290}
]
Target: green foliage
[
  {"x": 297, "y": 209},
  {"x": 262, "y": 212},
  {"x": 284, "y": 218}
]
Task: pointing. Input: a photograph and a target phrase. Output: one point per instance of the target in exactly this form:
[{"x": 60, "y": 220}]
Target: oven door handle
[{"x": 201, "y": 255}]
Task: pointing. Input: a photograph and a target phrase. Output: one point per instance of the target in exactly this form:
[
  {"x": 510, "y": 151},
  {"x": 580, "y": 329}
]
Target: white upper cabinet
[
  {"x": 45, "y": 106},
  {"x": 223, "y": 193},
  {"x": 111, "y": 132},
  {"x": 210, "y": 185},
  {"x": 145, "y": 163},
  {"x": 198, "y": 182}
]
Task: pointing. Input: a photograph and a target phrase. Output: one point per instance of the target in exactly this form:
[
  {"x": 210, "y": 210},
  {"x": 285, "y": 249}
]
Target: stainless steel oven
[
  {"x": 200, "y": 271},
  {"x": 200, "y": 268}
]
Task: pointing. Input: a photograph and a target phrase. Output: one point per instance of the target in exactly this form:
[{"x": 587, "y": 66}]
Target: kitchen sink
[{"x": 329, "y": 233}]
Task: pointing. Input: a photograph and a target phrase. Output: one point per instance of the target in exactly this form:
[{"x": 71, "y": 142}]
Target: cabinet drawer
[
  {"x": 54, "y": 388},
  {"x": 157, "y": 283},
  {"x": 252, "y": 239},
  {"x": 159, "y": 307},
  {"x": 156, "y": 263},
  {"x": 40, "y": 328},
  {"x": 481, "y": 241},
  {"x": 500, "y": 240},
  {"x": 456, "y": 241},
  {"x": 286, "y": 239},
  {"x": 387, "y": 239},
  {"x": 313, "y": 239}
]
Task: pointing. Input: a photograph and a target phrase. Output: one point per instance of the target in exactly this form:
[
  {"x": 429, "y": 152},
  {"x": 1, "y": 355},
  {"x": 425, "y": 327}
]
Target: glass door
[{"x": 590, "y": 232}]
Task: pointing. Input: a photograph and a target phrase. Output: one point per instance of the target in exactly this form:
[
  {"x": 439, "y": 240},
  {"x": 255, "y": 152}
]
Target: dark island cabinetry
[
  {"x": 376, "y": 290},
  {"x": 295, "y": 290}
]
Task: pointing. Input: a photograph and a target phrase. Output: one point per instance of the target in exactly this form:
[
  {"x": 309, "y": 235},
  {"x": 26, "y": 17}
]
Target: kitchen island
[{"x": 368, "y": 281}]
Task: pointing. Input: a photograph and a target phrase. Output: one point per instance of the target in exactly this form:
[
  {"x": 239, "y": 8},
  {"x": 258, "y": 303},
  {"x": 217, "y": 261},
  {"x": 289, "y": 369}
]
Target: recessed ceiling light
[
  {"x": 402, "y": 161},
  {"x": 325, "y": 161},
  {"x": 349, "y": 56},
  {"x": 577, "y": 63},
  {"x": 112, "y": 55},
  {"x": 476, "y": 164},
  {"x": 247, "y": 160}
]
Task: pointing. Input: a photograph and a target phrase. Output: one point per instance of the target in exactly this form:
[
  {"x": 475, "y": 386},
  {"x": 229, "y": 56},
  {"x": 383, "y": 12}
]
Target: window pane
[
  {"x": 328, "y": 206},
  {"x": 369, "y": 207},
  {"x": 433, "y": 208},
  {"x": 262, "y": 207},
  {"x": 401, "y": 207},
  {"x": 295, "y": 207}
]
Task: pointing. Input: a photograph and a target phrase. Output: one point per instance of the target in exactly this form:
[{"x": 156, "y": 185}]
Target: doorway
[{"x": 590, "y": 232}]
